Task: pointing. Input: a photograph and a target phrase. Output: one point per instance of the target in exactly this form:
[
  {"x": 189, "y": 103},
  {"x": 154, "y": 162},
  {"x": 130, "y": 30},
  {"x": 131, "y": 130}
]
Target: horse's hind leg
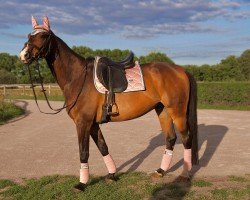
[
  {"x": 99, "y": 140},
  {"x": 180, "y": 122},
  {"x": 170, "y": 137}
]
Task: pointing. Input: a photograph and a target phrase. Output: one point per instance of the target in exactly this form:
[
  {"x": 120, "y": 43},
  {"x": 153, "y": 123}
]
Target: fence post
[
  {"x": 49, "y": 89},
  {"x": 4, "y": 90},
  {"x": 23, "y": 90}
]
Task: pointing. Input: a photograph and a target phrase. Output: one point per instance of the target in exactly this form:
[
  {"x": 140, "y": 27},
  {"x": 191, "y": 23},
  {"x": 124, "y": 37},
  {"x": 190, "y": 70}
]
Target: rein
[
  {"x": 36, "y": 58},
  {"x": 70, "y": 106}
]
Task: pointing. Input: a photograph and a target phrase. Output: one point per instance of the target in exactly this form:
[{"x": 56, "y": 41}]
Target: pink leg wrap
[
  {"x": 84, "y": 173},
  {"x": 109, "y": 163},
  {"x": 187, "y": 165},
  {"x": 166, "y": 159}
]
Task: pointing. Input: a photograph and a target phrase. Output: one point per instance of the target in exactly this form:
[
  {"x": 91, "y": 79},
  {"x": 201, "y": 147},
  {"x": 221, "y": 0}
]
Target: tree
[
  {"x": 7, "y": 61},
  {"x": 230, "y": 69},
  {"x": 83, "y": 51},
  {"x": 194, "y": 70},
  {"x": 155, "y": 57},
  {"x": 244, "y": 64},
  {"x": 233, "y": 68},
  {"x": 7, "y": 77}
]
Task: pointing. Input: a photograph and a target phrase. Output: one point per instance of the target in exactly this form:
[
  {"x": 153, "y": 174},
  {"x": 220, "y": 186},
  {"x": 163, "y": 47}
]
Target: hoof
[
  {"x": 182, "y": 178},
  {"x": 159, "y": 173},
  {"x": 80, "y": 186},
  {"x": 111, "y": 178}
]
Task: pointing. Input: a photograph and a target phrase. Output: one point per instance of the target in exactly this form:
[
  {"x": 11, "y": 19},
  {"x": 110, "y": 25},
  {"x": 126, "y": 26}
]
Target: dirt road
[{"x": 37, "y": 144}]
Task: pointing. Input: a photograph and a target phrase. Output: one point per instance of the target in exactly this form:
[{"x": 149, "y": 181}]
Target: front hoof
[
  {"x": 80, "y": 186},
  {"x": 159, "y": 173},
  {"x": 111, "y": 178}
]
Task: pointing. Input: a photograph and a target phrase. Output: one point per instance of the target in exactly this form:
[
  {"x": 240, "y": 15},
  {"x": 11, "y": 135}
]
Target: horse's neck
[{"x": 65, "y": 65}]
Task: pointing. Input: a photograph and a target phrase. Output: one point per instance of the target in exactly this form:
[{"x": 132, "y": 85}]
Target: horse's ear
[
  {"x": 34, "y": 22},
  {"x": 46, "y": 23}
]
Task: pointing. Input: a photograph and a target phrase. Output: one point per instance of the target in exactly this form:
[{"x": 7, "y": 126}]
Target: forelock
[{"x": 36, "y": 31}]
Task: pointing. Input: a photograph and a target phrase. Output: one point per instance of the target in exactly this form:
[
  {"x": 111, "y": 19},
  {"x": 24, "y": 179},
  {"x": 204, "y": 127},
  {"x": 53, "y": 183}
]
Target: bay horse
[{"x": 170, "y": 91}]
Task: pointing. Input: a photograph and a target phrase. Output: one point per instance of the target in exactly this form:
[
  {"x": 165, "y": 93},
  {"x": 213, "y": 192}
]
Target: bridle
[
  {"x": 36, "y": 57},
  {"x": 46, "y": 44}
]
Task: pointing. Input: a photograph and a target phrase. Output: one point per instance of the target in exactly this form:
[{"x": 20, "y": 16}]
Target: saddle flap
[{"x": 111, "y": 77}]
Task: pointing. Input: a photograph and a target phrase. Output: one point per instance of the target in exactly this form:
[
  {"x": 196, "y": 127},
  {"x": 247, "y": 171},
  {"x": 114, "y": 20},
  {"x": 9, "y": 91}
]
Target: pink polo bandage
[
  {"x": 109, "y": 163},
  {"x": 84, "y": 173},
  {"x": 166, "y": 159},
  {"x": 187, "y": 165}
]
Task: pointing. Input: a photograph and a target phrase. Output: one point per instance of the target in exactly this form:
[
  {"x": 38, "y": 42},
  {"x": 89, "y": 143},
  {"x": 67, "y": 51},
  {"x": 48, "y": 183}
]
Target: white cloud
[{"x": 133, "y": 19}]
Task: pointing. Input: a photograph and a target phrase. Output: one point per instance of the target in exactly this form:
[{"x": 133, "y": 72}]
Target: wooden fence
[{"x": 26, "y": 90}]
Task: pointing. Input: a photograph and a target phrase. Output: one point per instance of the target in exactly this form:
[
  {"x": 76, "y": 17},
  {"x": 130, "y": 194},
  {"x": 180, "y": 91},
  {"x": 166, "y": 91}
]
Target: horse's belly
[{"x": 133, "y": 105}]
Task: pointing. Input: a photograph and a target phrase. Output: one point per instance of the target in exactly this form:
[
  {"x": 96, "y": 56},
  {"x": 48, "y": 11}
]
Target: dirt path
[{"x": 39, "y": 144}]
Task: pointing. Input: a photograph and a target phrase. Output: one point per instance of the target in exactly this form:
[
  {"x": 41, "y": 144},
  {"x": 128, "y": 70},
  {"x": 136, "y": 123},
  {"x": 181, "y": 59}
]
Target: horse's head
[{"x": 38, "y": 44}]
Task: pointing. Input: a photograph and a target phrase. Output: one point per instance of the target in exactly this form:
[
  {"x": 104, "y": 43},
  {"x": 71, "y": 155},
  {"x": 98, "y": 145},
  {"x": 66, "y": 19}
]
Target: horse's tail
[{"x": 192, "y": 118}]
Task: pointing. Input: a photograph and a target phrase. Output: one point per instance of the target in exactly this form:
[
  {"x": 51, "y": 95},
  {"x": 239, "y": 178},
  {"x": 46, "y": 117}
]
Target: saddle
[{"x": 111, "y": 75}]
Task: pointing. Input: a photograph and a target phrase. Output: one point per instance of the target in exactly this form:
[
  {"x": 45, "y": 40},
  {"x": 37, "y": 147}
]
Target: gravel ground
[{"x": 36, "y": 144}]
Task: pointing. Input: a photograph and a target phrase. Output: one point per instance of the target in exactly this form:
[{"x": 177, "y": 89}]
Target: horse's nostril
[{"x": 26, "y": 55}]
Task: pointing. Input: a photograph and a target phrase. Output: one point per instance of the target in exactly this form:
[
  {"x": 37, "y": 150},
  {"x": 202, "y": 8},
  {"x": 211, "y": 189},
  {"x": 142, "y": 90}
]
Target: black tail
[{"x": 192, "y": 118}]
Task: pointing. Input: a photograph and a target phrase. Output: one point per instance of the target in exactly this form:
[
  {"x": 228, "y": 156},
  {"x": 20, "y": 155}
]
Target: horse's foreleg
[
  {"x": 83, "y": 132},
  {"x": 170, "y": 137},
  {"x": 99, "y": 140}
]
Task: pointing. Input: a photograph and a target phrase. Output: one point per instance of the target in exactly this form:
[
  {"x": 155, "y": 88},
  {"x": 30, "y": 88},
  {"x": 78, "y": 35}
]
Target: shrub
[
  {"x": 8, "y": 111},
  {"x": 7, "y": 77},
  {"x": 224, "y": 93}
]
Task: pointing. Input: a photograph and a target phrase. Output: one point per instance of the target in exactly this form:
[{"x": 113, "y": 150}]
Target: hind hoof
[
  {"x": 111, "y": 178},
  {"x": 183, "y": 179},
  {"x": 80, "y": 186},
  {"x": 159, "y": 173}
]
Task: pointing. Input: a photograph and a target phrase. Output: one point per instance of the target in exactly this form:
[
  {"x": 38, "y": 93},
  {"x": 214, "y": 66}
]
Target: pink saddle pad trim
[{"x": 134, "y": 77}]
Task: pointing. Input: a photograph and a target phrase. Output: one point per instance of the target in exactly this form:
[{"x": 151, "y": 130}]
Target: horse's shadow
[{"x": 211, "y": 134}]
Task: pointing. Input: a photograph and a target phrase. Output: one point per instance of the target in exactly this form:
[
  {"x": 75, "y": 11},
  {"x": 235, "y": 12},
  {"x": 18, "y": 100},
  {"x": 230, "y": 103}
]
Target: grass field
[
  {"x": 9, "y": 111},
  {"x": 211, "y": 95},
  {"x": 132, "y": 185}
]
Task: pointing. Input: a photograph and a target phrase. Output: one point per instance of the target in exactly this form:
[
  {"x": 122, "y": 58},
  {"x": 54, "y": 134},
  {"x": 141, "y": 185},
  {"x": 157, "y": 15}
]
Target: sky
[{"x": 188, "y": 31}]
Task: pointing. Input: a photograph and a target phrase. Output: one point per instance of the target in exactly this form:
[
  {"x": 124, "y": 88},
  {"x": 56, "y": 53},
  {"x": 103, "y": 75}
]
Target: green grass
[
  {"x": 231, "y": 193},
  {"x": 6, "y": 183},
  {"x": 237, "y": 179},
  {"x": 9, "y": 111},
  {"x": 211, "y": 95},
  {"x": 131, "y": 185},
  {"x": 172, "y": 191},
  {"x": 202, "y": 183},
  {"x": 224, "y": 107},
  {"x": 200, "y": 106},
  {"x": 51, "y": 98}
]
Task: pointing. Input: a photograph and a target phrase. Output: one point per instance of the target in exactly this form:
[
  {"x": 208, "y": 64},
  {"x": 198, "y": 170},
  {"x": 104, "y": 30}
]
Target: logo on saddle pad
[{"x": 133, "y": 75}]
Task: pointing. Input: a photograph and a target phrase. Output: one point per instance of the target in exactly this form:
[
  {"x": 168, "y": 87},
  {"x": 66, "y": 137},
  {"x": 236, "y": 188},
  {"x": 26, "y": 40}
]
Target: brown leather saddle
[{"x": 112, "y": 76}]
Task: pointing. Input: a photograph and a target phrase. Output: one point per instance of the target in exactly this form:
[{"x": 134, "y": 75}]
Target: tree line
[{"x": 232, "y": 68}]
